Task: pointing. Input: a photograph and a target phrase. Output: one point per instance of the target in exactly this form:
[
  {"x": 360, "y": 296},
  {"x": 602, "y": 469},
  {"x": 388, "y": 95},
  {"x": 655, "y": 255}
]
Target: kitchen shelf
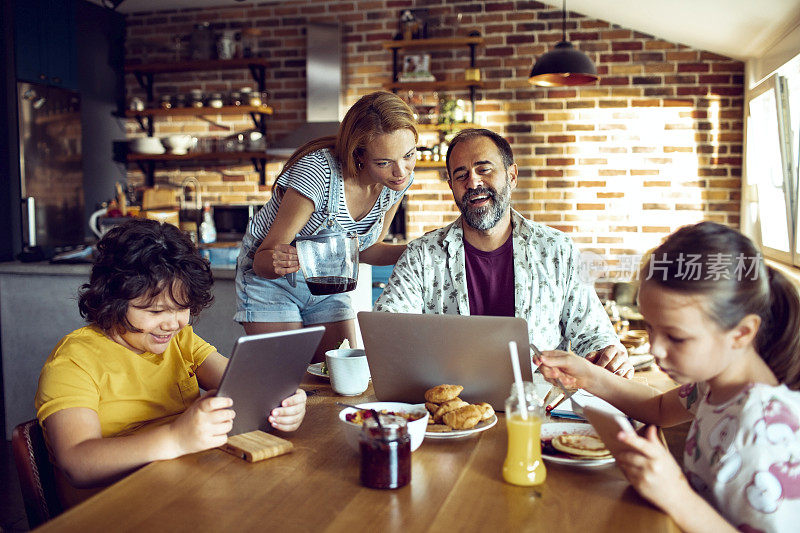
[
  {"x": 146, "y": 116},
  {"x": 197, "y": 66},
  {"x": 198, "y": 156},
  {"x": 454, "y": 85},
  {"x": 147, "y": 162},
  {"x": 445, "y": 127},
  {"x": 144, "y": 72},
  {"x": 433, "y": 43},
  {"x": 144, "y": 75},
  {"x": 199, "y": 111},
  {"x": 437, "y": 43}
]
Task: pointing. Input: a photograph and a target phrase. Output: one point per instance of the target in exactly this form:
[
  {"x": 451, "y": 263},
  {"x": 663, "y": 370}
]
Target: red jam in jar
[{"x": 385, "y": 453}]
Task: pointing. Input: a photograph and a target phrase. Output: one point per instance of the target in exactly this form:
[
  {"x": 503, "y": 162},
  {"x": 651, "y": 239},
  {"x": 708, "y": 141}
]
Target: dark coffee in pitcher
[{"x": 321, "y": 285}]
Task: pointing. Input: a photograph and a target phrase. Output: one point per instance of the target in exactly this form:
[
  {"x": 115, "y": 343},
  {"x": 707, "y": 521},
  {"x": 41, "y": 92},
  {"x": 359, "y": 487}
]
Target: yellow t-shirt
[{"x": 126, "y": 389}]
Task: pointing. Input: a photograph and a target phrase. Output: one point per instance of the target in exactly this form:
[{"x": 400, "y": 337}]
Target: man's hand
[{"x": 614, "y": 359}]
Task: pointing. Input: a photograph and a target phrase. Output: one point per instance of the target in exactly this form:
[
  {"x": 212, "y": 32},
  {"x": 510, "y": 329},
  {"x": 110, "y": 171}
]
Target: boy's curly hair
[{"x": 141, "y": 258}]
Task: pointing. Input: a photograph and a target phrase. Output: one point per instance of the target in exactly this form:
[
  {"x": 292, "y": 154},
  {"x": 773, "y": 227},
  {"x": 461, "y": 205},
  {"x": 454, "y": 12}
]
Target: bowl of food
[{"x": 415, "y": 414}]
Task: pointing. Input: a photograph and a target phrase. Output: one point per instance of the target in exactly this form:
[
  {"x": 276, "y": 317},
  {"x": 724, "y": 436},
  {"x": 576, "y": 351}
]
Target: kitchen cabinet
[
  {"x": 45, "y": 42},
  {"x": 144, "y": 75},
  {"x": 470, "y": 85}
]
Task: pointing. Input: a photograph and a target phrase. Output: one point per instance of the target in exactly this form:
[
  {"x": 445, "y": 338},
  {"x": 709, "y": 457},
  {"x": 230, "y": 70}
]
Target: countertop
[{"x": 45, "y": 268}]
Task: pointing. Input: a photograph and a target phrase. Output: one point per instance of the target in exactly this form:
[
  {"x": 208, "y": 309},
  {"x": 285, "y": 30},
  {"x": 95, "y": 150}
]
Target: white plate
[
  {"x": 316, "y": 370},
  {"x": 461, "y": 433},
  {"x": 554, "y": 429}
]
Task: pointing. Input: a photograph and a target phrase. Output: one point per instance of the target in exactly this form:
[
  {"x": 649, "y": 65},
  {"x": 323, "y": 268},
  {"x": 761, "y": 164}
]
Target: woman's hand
[
  {"x": 204, "y": 425},
  {"x": 290, "y": 414},
  {"x": 652, "y": 470},
  {"x": 573, "y": 371},
  {"x": 284, "y": 259}
]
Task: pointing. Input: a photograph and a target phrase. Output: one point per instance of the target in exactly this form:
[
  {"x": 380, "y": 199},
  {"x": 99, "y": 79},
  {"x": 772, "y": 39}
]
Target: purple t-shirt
[{"x": 490, "y": 280}]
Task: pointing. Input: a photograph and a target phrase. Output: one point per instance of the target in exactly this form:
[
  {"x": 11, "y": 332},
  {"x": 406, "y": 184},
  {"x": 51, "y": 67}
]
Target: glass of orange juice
[{"x": 524, "y": 465}]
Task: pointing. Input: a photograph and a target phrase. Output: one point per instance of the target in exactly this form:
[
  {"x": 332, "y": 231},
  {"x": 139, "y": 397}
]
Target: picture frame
[{"x": 416, "y": 67}]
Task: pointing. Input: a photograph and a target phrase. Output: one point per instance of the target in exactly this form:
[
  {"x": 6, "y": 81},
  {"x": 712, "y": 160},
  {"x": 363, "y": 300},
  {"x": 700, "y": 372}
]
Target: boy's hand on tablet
[
  {"x": 204, "y": 425},
  {"x": 652, "y": 470},
  {"x": 290, "y": 414}
]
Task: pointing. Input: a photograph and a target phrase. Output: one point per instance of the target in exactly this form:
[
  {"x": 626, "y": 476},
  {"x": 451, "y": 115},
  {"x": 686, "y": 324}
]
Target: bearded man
[{"x": 493, "y": 261}]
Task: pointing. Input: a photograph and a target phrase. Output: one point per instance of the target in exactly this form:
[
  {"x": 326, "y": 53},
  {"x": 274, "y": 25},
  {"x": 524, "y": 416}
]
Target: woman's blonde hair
[{"x": 373, "y": 114}]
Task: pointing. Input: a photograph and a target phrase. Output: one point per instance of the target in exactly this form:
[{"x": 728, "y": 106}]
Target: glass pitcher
[
  {"x": 523, "y": 464},
  {"x": 329, "y": 261}
]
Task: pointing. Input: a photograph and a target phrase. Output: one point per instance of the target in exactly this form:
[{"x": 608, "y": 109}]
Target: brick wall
[{"x": 655, "y": 144}]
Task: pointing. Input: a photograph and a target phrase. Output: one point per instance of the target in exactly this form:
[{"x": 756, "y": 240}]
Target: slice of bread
[{"x": 587, "y": 446}]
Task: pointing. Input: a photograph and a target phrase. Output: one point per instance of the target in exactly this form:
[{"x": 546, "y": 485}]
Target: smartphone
[{"x": 608, "y": 425}]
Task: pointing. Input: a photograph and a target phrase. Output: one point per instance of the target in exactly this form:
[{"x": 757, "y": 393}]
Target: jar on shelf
[
  {"x": 254, "y": 99},
  {"x": 236, "y": 98},
  {"x": 216, "y": 100},
  {"x": 196, "y": 98},
  {"x": 136, "y": 104},
  {"x": 179, "y": 100},
  {"x": 165, "y": 102}
]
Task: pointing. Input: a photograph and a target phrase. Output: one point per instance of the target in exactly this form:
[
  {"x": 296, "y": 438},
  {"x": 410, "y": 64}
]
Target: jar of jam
[{"x": 385, "y": 453}]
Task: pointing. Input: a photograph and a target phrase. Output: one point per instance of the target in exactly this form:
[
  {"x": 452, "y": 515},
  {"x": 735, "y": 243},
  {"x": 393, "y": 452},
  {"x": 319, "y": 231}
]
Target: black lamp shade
[{"x": 563, "y": 65}]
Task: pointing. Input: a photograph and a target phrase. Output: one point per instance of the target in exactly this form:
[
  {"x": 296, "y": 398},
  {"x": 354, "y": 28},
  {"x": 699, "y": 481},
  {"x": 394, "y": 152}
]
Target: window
[{"x": 770, "y": 208}]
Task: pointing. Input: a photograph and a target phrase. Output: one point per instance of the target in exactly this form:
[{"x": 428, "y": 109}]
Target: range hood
[{"x": 323, "y": 89}]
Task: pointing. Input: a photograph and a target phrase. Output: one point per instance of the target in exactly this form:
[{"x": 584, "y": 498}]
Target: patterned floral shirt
[
  {"x": 743, "y": 456},
  {"x": 430, "y": 277}
]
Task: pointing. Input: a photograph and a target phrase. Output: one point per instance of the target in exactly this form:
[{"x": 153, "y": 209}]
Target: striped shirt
[{"x": 311, "y": 176}]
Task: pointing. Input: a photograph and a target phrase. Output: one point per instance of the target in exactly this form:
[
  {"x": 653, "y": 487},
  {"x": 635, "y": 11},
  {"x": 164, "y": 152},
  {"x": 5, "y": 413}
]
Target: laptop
[
  {"x": 263, "y": 370},
  {"x": 410, "y": 353}
]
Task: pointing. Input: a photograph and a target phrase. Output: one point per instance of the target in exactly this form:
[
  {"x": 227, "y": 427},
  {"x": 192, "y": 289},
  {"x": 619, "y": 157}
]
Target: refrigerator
[{"x": 51, "y": 173}]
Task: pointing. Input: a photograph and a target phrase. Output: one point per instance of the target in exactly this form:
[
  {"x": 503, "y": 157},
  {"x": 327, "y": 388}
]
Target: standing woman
[{"x": 350, "y": 182}]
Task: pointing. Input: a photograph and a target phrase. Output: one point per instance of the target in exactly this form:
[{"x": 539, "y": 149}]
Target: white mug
[{"x": 348, "y": 371}]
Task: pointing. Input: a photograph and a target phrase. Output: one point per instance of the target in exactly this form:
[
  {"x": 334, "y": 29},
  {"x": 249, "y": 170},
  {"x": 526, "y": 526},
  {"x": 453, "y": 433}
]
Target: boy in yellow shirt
[{"x": 125, "y": 390}]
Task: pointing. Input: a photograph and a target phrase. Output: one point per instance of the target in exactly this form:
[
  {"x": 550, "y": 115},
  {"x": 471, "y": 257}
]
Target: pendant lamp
[{"x": 564, "y": 64}]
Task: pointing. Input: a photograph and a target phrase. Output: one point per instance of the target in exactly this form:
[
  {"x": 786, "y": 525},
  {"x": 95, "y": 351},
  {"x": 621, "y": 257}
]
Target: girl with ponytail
[{"x": 726, "y": 327}]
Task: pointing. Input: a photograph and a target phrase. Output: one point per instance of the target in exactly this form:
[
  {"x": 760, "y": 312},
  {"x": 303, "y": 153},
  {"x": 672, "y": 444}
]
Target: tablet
[
  {"x": 263, "y": 370},
  {"x": 608, "y": 425}
]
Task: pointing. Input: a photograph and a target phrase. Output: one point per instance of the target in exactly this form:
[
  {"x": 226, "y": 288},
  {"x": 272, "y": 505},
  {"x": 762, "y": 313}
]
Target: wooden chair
[{"x": 36, "y": 473}]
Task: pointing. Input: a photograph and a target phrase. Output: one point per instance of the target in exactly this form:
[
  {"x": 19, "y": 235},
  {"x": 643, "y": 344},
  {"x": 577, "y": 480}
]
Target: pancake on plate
[{"x": 582, "y": 446}]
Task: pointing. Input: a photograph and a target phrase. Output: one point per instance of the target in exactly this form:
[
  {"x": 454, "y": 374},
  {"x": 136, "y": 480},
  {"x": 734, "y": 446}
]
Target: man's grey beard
[{"x": 486, "y": 217}]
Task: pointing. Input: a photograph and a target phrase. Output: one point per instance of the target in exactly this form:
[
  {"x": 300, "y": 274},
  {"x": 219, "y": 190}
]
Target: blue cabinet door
[
  {"x": 29, "y": 54},
  {"x": 44, "y": 40},
  {"x": 59, "y": 44}
]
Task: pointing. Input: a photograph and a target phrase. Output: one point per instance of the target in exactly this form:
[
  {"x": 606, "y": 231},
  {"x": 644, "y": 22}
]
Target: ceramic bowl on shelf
[
  {"x": 146, "y": 145},
  {"x": 178, "y": 144}
]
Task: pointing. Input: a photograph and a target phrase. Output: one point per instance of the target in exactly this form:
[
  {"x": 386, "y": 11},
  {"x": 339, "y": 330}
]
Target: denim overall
[{"x": 275, "y": 300}]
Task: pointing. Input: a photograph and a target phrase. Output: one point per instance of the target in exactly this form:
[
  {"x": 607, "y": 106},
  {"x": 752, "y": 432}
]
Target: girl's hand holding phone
[
  {"x": 290, "y": 414},
  {"x": 204, "y": 425},
  {"x": 285, "y": 260},
  {"x": 652, "y": 470}
]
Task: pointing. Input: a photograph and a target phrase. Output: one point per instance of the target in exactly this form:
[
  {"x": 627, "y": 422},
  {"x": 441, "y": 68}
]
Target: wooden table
[{"x": 456, "y": 485}]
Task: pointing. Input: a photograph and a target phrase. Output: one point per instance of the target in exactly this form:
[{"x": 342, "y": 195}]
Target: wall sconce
[{"x": 564, "y": 64}]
